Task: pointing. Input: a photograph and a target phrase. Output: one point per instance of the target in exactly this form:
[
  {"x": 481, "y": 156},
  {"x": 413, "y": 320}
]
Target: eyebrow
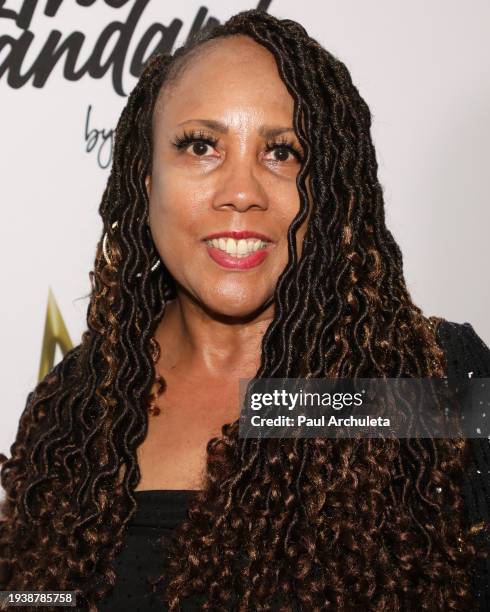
[{"x": 268, "y": 131}]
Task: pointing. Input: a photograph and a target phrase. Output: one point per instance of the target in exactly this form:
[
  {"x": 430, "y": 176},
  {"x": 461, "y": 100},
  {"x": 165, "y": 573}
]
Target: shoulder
[
  {"x": 467, "y": 355},
  {"x": 464, "y": 349}
]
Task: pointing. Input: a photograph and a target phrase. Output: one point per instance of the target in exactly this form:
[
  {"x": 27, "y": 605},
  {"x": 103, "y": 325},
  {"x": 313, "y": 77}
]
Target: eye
[
  {"x": 198, "y": 142},
  {"x": 284, "y": 148}
]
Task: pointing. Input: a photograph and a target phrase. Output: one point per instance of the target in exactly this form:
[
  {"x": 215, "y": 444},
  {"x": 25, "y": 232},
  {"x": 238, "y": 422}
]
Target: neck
[{"x": 210, "y": 343}]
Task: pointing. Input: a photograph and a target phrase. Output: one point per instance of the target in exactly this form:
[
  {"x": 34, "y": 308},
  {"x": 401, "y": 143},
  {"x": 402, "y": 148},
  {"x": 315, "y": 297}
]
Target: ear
[{"x": 148, "y": 185}]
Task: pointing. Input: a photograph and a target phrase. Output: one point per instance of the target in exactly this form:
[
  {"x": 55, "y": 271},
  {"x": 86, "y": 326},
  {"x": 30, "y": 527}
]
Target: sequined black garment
[{"x": 159, "y": 512}]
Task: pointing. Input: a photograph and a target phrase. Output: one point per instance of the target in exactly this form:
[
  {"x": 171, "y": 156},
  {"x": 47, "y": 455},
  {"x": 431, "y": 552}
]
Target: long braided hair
[{"x": 315, "y": 523}]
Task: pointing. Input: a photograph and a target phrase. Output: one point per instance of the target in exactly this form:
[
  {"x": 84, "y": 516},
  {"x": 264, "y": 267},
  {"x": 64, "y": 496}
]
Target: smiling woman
[
  {"x": 222, "y": 188},
  {"x": 244, "y": 237}
]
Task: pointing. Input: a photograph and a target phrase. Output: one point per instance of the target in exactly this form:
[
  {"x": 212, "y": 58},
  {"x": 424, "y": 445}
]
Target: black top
[{"x": 160, "y": 511}]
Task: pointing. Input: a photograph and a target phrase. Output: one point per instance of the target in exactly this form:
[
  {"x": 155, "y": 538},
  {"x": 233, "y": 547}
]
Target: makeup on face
[
  {"x": 239, "y": 250},
  {"x": 223, "y": 186}
]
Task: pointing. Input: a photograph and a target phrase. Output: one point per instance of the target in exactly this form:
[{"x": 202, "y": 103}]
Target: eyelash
[
  {"x": 188, "y": 138},
  {"x": 284, "y": 143}
]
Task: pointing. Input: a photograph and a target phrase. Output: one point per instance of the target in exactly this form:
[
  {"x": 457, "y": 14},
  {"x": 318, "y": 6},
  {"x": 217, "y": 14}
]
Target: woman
[{"x": 253, "y": 127}]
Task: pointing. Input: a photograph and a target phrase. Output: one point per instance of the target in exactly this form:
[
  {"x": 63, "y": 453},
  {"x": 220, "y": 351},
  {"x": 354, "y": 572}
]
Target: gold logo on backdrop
[{"x": 55, "y": 334}]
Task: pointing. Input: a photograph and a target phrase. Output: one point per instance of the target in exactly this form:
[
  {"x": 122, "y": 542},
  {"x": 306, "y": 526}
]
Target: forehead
[{"x": 229, "y": 79}]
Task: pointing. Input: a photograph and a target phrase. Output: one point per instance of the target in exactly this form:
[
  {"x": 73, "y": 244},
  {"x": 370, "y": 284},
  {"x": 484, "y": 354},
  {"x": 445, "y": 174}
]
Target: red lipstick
[{"x": 226, "y": 260}]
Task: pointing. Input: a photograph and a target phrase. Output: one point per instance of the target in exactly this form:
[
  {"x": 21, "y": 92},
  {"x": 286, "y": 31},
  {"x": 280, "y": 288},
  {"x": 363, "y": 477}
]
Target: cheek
[
  {"x": 286, "y": 197},
  {"x": 286, "y": 206},
  {"x": 176, "y": 212}
]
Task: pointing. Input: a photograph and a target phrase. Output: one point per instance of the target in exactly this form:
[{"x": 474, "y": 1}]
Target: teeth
[
  {"x": 231, "y": 246},
  {"x": 241, "y": 247},
  {"x": 237, "y": 248}
]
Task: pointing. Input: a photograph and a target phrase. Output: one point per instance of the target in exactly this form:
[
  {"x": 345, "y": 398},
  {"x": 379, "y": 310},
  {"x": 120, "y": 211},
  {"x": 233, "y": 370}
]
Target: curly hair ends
[{"x": 314, "y": 523}]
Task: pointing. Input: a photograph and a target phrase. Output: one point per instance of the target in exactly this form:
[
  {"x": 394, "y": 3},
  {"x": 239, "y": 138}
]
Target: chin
[{"x": 237, "y": 306}]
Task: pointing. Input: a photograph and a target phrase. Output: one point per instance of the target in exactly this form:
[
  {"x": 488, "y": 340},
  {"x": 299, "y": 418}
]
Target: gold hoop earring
[{"x": 106, "y": 254}]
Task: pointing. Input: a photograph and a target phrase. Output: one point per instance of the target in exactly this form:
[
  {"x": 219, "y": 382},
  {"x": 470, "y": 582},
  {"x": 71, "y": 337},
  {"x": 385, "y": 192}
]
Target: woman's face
[{"x": 225, "y": 161}]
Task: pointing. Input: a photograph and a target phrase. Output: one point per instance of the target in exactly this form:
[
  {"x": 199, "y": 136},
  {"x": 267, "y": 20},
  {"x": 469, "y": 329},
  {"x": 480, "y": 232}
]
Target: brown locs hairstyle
[{"x": 312, "y": 523}]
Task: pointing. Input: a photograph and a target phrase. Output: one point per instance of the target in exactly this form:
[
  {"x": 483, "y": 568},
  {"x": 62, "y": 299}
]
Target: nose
[{"x": 239, "y": 188}]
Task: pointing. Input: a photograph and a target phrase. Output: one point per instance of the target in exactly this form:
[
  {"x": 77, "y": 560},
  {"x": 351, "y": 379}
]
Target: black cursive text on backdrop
[
  {"x": 101, "y": 137},
  {"x": 157, "y": 38}
]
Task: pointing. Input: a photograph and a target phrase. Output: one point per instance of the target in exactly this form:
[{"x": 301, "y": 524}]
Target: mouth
[{"x": 242, "y": 253}]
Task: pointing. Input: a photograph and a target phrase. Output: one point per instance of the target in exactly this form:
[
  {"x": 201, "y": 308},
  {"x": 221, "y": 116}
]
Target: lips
[
  {"x": 238, "y": 249},
  {"x": 246, "y": 262}
]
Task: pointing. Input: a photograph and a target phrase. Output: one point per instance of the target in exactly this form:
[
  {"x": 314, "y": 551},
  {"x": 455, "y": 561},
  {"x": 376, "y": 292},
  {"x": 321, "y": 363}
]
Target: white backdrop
[{"x": 422, "y": 67}]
